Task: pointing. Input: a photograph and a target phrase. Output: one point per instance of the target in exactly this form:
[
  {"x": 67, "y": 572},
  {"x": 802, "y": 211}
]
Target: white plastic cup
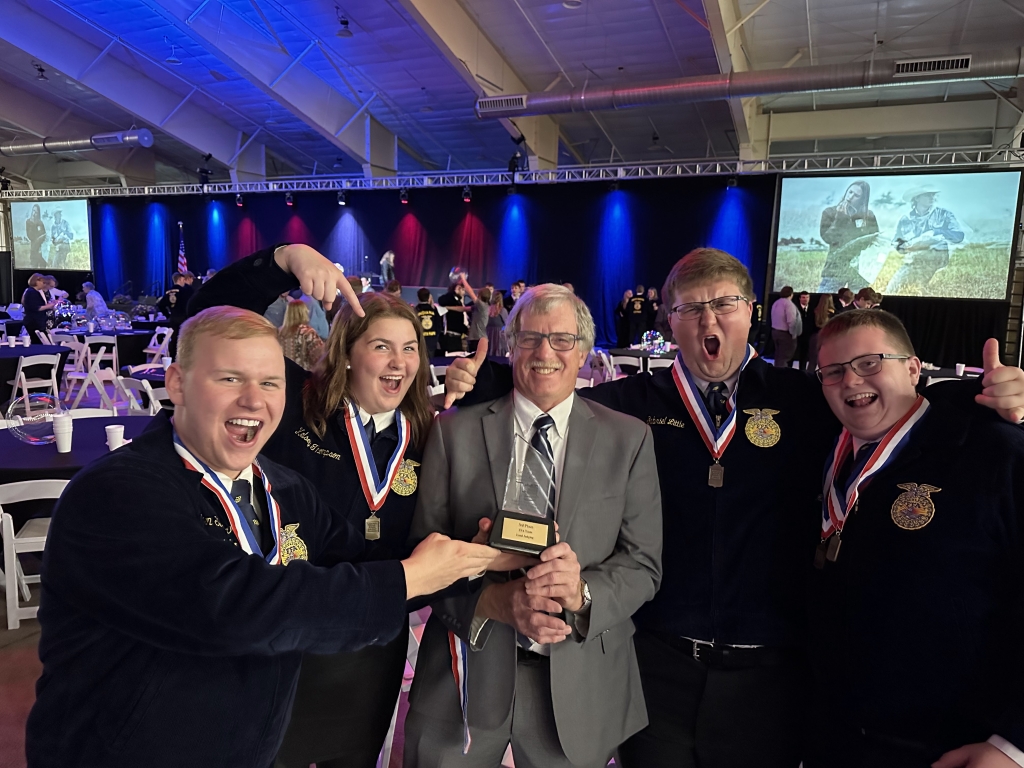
[
  {"x": 12, "y": 340},
  {"x": 152, "y": 317},
  {"x": 26, "y": 341},
  {"x": 115, "y": 436},
  {"x": 63, "y": 427},
  {"x": 959, "y": 369},
  {"x": 166, "y": 362},
  {"x": 91, "y": 326}
]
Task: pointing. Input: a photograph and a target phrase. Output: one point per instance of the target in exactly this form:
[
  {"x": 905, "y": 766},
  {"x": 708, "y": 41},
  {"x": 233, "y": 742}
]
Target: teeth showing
[
  {"x": 245, "y": 422},
  {"x": 861, "y": 396},
  {"x": 392, "y": 378}
]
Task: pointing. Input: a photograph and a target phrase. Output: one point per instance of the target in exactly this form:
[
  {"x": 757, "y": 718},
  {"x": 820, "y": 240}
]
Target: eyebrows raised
[{"x": 387, "y": 341}]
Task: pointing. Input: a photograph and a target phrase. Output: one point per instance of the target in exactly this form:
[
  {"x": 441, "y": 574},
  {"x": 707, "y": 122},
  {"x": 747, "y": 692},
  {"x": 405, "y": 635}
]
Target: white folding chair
[
  {"x": 159, "y": 344},
  {"x": 582, "y": 383},
  {"x": 108, "y": 343},
  {"x": 616, "y": 360},
  {"x": 31, "y": 538},
  {"x": 25, "y": 384},
  {"x": 133, "y": 369},
  {"x": 659, "y": 362},
  {"x": 92, "y": 413},
  {"x": 76, "y": 360},
  {"x": 435, "y": 389},
  {"x": 139, "y": 391},
  {"x": 44, "y": 337},
  {"x": 935, "y": 379},
  {"x": 92, "y": 378}
]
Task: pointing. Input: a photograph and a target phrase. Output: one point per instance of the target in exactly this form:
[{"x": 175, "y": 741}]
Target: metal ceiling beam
[
  {"x": 721, "y": 15},
  {"x": 286, "y": 79},
  {"x": 479, "y": 63},
  {"x": 107, "y": 66}
]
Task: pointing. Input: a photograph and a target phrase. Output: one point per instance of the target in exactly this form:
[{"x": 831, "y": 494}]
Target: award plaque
[{"x": 526, "y": 523}]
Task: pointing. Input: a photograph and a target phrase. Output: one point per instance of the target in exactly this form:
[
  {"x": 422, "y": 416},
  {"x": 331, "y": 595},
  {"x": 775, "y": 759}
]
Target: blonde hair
[
  {"x": 706, "y": 265},
  {"x": 295, "y": 314},
  {"x": 224, "y": 323},
  {"x": 848, "y": 321},
  {"x": 540, "y": 300}
]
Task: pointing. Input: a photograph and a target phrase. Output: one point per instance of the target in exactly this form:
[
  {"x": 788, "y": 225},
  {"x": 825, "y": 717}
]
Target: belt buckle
[{"x": 698, "y": 644}]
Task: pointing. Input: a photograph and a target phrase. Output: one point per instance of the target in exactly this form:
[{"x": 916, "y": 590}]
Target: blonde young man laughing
[
  {"x": 916, "y": 617},
  {"x": 739, "y": 446},
  {"x": 179, "y": 585}
]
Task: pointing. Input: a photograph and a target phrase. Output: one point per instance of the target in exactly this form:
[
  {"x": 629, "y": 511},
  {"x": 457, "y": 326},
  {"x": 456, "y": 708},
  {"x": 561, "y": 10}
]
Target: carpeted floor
[{"x": 19, "y": 670}]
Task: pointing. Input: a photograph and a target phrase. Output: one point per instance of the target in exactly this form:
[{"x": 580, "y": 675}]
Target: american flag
[{"x": 182, "y": 261}]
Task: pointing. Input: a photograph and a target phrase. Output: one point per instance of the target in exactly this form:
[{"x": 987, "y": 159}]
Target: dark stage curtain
[{"x": 950, "y": 331}]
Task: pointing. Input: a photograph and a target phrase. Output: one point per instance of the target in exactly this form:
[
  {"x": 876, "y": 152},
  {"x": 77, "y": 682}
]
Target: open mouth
[
  {"x": 545, "y": 370},
  {"x": 861, "y": 400},
  {"x": 243, "y": 431},
  {"x": 712, "y": 344},
  {"x": 392, "y": 384}
]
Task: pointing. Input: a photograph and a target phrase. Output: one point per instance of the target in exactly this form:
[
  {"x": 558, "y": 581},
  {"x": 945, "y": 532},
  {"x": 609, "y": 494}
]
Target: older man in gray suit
[{"x": 545, "y": 660}]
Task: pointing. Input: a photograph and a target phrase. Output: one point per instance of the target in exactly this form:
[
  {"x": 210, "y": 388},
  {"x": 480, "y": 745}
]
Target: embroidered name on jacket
[
  {"x": 303, "y": 434},
  {"x": 663, "y": 421}
]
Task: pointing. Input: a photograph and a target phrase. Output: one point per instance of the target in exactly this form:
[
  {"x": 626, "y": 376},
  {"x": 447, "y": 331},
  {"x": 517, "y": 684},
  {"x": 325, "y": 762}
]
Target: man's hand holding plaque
[
  {"x": 557, "y": 577},
  {"x": 526, "y": 523}
]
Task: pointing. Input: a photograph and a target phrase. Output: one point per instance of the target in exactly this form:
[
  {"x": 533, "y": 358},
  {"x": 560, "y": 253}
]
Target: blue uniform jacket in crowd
[{"x": 163, "y": 643}]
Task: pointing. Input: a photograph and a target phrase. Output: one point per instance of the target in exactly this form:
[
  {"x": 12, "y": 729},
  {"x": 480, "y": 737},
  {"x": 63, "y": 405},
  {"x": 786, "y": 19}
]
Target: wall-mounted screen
[
  {"x": 52, "y": 235},
  {"x": 936, "y": 234}
]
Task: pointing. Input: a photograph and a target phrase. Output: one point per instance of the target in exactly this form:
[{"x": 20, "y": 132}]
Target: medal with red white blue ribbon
[
  {"x": 375, "y": 488},
  {"x": 247, "y": 539},
  {"x": 836, "y": 508},
  {"x": 716, "y": 438},
  {"x": 460, "y": 668}
]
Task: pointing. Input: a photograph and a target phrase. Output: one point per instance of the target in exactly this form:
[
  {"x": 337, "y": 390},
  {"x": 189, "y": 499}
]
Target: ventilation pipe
[
  {"x": 991, "y": 65},
  {"x": 141, "y": 137}
]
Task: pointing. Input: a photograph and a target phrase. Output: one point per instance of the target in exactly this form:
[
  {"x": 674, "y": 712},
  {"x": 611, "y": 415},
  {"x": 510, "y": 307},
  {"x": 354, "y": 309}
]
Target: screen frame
[
  {"x": 88, "y": 221},
  {"x": 877, "y": 173}
]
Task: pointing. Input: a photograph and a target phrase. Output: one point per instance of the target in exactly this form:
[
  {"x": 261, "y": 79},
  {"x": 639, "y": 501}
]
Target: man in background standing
[
  {"x": 455, "y": 327},
  {"x": 514, "y": 292},
  {"x": 60, "y": 241},
  {"x": 807, "y": 321},
  {"x": 786, "y": 327},
  {"x": 387, "y": 267},
  {"x": 637, "y": 315}
]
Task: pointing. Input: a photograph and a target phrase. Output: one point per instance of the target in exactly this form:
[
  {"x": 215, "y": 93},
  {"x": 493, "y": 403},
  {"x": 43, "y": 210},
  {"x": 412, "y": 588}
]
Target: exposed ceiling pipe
[
  {"x": 137, "y": 137},
  {"x": 987, "y": 65}
]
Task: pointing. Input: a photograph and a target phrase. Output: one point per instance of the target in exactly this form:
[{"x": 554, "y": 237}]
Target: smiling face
[
  {"x": 714, "y": 346},
  {"x": 230, "y": 399},
  {"x": 545, "y": 376},
  {"x": 868, "y": 406},
  {"x": 384, "y": 363}
]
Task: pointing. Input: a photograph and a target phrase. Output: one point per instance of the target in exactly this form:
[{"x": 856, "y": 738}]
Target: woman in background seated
[
  {"x": 95, "y": 306},
  {"x": 300, "y": 342},
  {"x": 822, "y": 313}
]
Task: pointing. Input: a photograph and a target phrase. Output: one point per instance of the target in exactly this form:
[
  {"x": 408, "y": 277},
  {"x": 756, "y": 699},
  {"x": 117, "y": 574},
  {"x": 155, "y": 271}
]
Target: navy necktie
[
  {"x": 541, "y": 463},
  {"x": 241, "y": 491},
  {"x": 382, "y": 444},
  {"x": 852, "y": 466},
  {"x": 717, "y": 396}
]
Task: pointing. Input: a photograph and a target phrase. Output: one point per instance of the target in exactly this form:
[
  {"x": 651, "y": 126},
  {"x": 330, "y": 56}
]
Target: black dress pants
[{"x": 706, "y": 717}]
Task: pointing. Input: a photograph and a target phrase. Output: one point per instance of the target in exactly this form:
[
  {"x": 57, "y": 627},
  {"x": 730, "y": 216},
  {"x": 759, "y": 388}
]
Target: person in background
[
  {"x": 662, "y": 324},
  {"x": 514, "y": 292},
  {"x": 653, "y": 305},
  {"x": 275, "y": 312},
  {"x": 95, "y": 306},
  {"x": 38, "y": 308},
  {"x": 300, "y": 342},
  {"x": 174, "y": 302},
  {"x": 867, "y": 298},
  {"x": 623, "y": 311},
  {"x": 841, "y": 224},
  {"x": 822, "y": 314},
  {"x": 497, "y": 315},
  {"x": 786, "y": 327},
  {"x": 803, "y": 306},
  {"x": 843, "y": 300},
  {"x": 60, "y": 241},
  {"x": 430, "y": 321},
  {"x": 923, "y": 236},
  {"x": 478, "y": 320},
  {"x": 209, "y": 273},
  {"x": 55, "y": 293},
  {"x": 393, "y": 287},
  {"x": 35, "y": 233},
  {"x": 366, "y": 286},
  {"x": 387, "y": 267},
  {"x": 455, "y": 326},
  {"x": 637, "y": 315}
]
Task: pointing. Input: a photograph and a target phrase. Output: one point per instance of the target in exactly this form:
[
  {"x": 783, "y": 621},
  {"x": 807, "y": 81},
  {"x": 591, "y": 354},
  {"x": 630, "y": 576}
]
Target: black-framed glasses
[
  {"x": 560, "y": 342},
  {"x": 864, "y": 365},
  {"x": 723, "y": 305}
]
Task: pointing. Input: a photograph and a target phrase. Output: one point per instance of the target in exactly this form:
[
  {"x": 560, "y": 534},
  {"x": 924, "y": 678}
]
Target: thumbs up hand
[
  {"x": 1003, "y": 386},
  {"x": 460, "y": 377}
]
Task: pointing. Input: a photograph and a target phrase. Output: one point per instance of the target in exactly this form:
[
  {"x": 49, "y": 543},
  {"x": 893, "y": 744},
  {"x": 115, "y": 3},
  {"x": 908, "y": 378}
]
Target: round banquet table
[{"x": 9, "y": 365}]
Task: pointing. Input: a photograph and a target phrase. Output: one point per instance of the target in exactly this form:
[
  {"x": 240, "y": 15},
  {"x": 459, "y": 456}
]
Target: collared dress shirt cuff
[
  {"x": 1007, "y": 749},
  {"x": 581, "y": 620}
]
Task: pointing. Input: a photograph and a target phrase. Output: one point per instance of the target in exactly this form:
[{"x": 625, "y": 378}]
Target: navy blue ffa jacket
[
  {"x": 254, "y": 283},
  {"x": 736, "y": 558},
  {"x": 917, "y": 626},
  {"x": 163, "y": 643}
]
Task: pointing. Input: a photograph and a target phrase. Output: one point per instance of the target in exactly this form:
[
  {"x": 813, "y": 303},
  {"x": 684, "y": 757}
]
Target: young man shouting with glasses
[
  {"x": 918, "y": 602},
  {"x": 739, "y": 447}
]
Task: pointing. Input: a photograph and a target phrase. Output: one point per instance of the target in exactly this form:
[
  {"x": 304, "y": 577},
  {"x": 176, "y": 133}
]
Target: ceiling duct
[
  {"x": 141, "y": 137},
  {"x": 990, "y": 65}
]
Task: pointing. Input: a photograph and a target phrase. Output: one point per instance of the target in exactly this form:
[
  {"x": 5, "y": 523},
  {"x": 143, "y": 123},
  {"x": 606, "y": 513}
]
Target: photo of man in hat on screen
[{"x": 923, "y": 236}]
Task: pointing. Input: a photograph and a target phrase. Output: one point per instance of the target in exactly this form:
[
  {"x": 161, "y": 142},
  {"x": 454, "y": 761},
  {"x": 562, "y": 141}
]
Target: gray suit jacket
[{"x": 609, "y": 510}]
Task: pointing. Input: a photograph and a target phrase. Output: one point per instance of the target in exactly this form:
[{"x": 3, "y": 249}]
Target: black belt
[
  {"x": 723, "y": 656},
  {"x": 524, "y": 654}
]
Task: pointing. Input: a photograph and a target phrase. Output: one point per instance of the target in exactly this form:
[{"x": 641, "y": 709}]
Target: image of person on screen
[
  {"x": 842, "y": 227},
  {"x": 35, "y": 232},
  {"x": 60, "y": 241},
  {"x": 923, "y": 237}
]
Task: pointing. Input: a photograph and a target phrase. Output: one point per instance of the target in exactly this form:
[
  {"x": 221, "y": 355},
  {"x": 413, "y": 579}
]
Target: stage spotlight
[
  {"x": 511, "y": 190},
  {"x": 341, "y": 197},
  {"x": 403, "y": 195},
  {"x": 732, "y": 182},
  {"x": 238, "y": 200},
  {"x": 288, "y": 199},
  {"x": 467, "y": 194},
  {"x": 613, "y": 187}
]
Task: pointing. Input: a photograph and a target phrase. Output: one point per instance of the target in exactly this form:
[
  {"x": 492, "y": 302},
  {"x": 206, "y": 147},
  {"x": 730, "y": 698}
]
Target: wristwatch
[{"x": 584, "y": 596}]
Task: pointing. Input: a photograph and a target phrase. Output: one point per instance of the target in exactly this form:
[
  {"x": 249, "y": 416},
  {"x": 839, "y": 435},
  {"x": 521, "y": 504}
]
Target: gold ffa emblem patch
[
  {"x": 914, "y": 508},
  {"x": 405, "y": 481},
  {"x": 761, "y": 428},
  {"x": 292, "y": 547},
  {"x": 427, "y": 322}
]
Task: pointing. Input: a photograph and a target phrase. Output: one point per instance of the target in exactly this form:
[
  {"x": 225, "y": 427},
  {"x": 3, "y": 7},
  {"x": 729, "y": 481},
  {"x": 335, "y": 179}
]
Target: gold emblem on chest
[
  {"x": 405, "y": 481},
  {"x": 914, "y": 508},
  {"x": 292, "y": 547},
  {"x": 761, "y": 429}
]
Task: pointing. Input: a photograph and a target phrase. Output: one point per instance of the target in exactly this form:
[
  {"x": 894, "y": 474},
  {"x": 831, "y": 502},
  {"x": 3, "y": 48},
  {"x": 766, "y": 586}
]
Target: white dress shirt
[
  {"x": 381, "y": 421},
  {"x": 786, "y": 317}
]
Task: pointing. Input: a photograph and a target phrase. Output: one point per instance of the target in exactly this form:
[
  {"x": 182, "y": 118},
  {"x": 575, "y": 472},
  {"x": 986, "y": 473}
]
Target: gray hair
[
  {"x": 88, "y": 286},
  {"x": 540, "y": 300}
]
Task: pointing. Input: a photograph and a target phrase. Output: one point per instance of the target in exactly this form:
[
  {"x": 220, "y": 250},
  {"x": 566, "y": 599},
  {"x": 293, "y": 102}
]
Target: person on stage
[
  {"x": 548, "y": 656},
  {"x": 387, "y": 267},
  {"x": 917, "y": 603},
  {"x": 740, "y": 446},
  {"x": 355, "y": 427},
  {"x": 185, "y": 573}
]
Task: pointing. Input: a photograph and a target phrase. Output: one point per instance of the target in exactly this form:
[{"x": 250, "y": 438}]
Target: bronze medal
[
  {"x": 716, "y": 475},
  {"x": 372, "y": 528},
  {"x": 834, "y": 543},
  {"x": 914, "y": 508},
  {"x": 761, "y": 428},
  {"x": 819, "y": 555}
]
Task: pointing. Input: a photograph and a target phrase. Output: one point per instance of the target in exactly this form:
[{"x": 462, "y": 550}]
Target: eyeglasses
[
  {"x": 723, "y": 305},
  {"x": 865, "y": 365},
  {"x": 560, "y": 342}
]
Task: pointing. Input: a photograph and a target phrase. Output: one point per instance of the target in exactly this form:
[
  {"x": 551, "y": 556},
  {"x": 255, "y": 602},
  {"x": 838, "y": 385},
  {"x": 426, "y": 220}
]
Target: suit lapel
[
  {"x": 498, "y": 432},
  {"x": 578, "y": 449}
]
